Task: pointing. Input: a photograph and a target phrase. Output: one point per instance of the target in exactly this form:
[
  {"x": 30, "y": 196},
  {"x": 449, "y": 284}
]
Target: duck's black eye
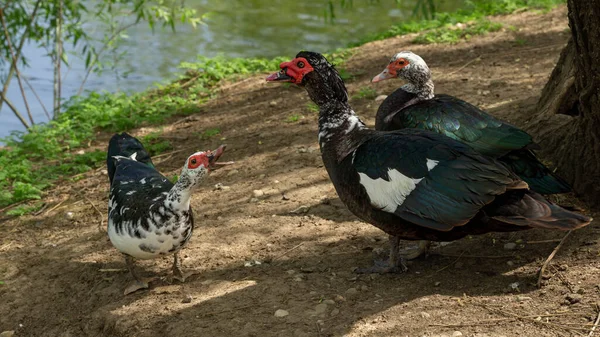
[
  {"x": 193, "y": 161},
  {"x": 300, "y": 64}
]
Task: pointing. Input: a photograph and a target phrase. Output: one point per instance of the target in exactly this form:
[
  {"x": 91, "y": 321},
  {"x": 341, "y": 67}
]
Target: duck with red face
[
  {"x": 148, "y": 215},
  {"x": 415, "y": 184}
]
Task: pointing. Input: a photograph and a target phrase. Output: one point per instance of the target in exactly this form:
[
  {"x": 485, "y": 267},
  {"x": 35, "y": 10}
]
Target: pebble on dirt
[
  {"x": 574, "y": 298},
  {"x": 281, "y": 313},
  {"x": 351, "y": 291},
  {"x": 321, "y": 308},
  {"x": 187, "y": 299},
  {"x": 9, "y": 333},
  {"x": 510, "y": 246}
]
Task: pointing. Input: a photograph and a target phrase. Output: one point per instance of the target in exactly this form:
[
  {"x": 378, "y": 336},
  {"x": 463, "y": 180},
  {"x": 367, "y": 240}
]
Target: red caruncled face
[
  {"x": 292, "y": 71},
  {"x": 197, "y": 160}
]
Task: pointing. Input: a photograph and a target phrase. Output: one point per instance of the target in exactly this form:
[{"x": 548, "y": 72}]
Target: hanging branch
[
  {"x": 97, "y": 55},
  {"x": 57, "y": 58},
  {"x": 19, "y": 49},
  {"x": 14, "y": 66},
  {"x": 14, "y": 109},
  {"x": 38, "y": 98}
]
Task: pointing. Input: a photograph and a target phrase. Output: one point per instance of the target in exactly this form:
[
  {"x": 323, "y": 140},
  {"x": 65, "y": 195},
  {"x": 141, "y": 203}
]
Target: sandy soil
[{"x": 62, "y": 277}]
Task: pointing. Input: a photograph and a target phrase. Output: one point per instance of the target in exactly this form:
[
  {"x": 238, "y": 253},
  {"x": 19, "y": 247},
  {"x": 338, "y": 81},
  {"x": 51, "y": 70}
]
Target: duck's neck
[
  {"x": 419, "y": 83},
  {"x": 337, "y": 119},
  {"x": 178, "y": 199},
  {"x": 339, "y": 129}
]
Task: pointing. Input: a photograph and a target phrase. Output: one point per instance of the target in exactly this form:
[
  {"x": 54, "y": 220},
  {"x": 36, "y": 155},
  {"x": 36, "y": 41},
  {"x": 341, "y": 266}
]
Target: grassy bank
[{"x": 60, "y": 150}]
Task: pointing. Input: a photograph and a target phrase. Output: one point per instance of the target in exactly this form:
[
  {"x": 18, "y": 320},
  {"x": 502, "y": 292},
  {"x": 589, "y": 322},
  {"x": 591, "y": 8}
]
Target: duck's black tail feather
[
  {"x": 529, "y": 209},
  {"x": 125, "y": 145},
  {"x": 539, "y": 178}
]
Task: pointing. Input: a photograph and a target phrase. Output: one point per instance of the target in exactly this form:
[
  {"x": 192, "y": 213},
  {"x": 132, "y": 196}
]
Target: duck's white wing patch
[
  {"x": 431, "y": 164},
  {"x": 388, "y": 195}
]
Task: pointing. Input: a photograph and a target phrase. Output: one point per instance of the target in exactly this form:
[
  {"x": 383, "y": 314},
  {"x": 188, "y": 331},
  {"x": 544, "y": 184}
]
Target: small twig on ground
[
  {"x": 542, "y": 241},
  {"x": 39, "y": 211},
  {"x": 226, "y": 87},
  {"x": 595, "y": 323},
  {"x": 453, "y": 262},
  {"x": 495, "y": 320},
  {"x": 463, "y": 66},
  {"x": 287, "y": 251},
  {"x": 185, "y": 120},
  {"x": 6, "y": 246},
  {"x": 534, "y": 320},
  {"x": 86, "y": 172},
  {"x": 564, "y": 280},
  {"x": 318, "y": 329},
  {"x": 474, "y": 256},
  {"x": 188, "y": 82},
  {"x": 173, "y": 152},
  {"x": 112, "y": 270},
  {"x": 228, "y": 310},
  {"x": 163, "y": 160},
  {"x": 550, "y": 257},
  {"x": 101, "y": 224},
  {"x": 55, "y": 207}
]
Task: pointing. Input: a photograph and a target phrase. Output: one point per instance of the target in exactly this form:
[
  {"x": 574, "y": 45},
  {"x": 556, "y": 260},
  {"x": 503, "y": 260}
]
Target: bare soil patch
[{"x": 62, "y": 277}]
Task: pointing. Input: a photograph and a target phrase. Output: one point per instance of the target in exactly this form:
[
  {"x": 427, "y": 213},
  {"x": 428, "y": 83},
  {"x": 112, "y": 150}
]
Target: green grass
[
  {"x": 365, "y": 93},
  {"x": 154, "y": 144},
  {"x": 208, "y": 133},
  {"x": 293, "y": 118},
  {"x": 453, "y": 34},
  {"x": 520, "y": 41},
  {"x": 474, "y": 12},
  {"x": 25, "y": 209},
  {"x": 312, "y": 107}
]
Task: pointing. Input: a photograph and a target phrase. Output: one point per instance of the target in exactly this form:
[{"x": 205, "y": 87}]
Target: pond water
[{"x": 235, "y": 28}]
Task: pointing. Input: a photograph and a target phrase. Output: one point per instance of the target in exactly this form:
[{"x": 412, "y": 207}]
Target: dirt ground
[{"x": 274, "y": 236}]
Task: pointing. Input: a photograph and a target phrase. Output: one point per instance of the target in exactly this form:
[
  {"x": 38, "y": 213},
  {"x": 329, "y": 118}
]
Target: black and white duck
[{"x": 148, "y": 215}]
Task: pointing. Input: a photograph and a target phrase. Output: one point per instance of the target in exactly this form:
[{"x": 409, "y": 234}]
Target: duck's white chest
[{"x": 149, "y": 240}]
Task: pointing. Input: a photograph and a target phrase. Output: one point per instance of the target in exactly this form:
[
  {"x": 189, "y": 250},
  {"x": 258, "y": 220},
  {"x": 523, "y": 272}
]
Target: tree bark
[{"x": 567, "y": 123}]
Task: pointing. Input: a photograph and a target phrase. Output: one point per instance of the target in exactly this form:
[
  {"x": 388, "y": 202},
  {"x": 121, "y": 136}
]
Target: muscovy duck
[
  {"x": 414, "y": 105},
  {"x": 148, "y": 215},
  {"x": 415, "y": 184}
]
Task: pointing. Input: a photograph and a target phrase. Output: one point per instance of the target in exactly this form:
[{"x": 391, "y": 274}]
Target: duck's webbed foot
[
  {"x": 178, "y": 274},
  {"x": 138, "y": 282},
  {"x": 395, "y": 263}
]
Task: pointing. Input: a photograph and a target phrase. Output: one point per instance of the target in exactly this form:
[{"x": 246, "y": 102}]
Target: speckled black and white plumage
[
  {"x": 414, "y": 105},
  {"x": 417, "y": 184},
  {"x": 148, "y": 215}
]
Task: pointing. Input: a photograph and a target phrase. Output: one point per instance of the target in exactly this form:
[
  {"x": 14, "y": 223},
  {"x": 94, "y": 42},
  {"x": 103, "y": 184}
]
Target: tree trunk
[{"x": 567, "y": 123}]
